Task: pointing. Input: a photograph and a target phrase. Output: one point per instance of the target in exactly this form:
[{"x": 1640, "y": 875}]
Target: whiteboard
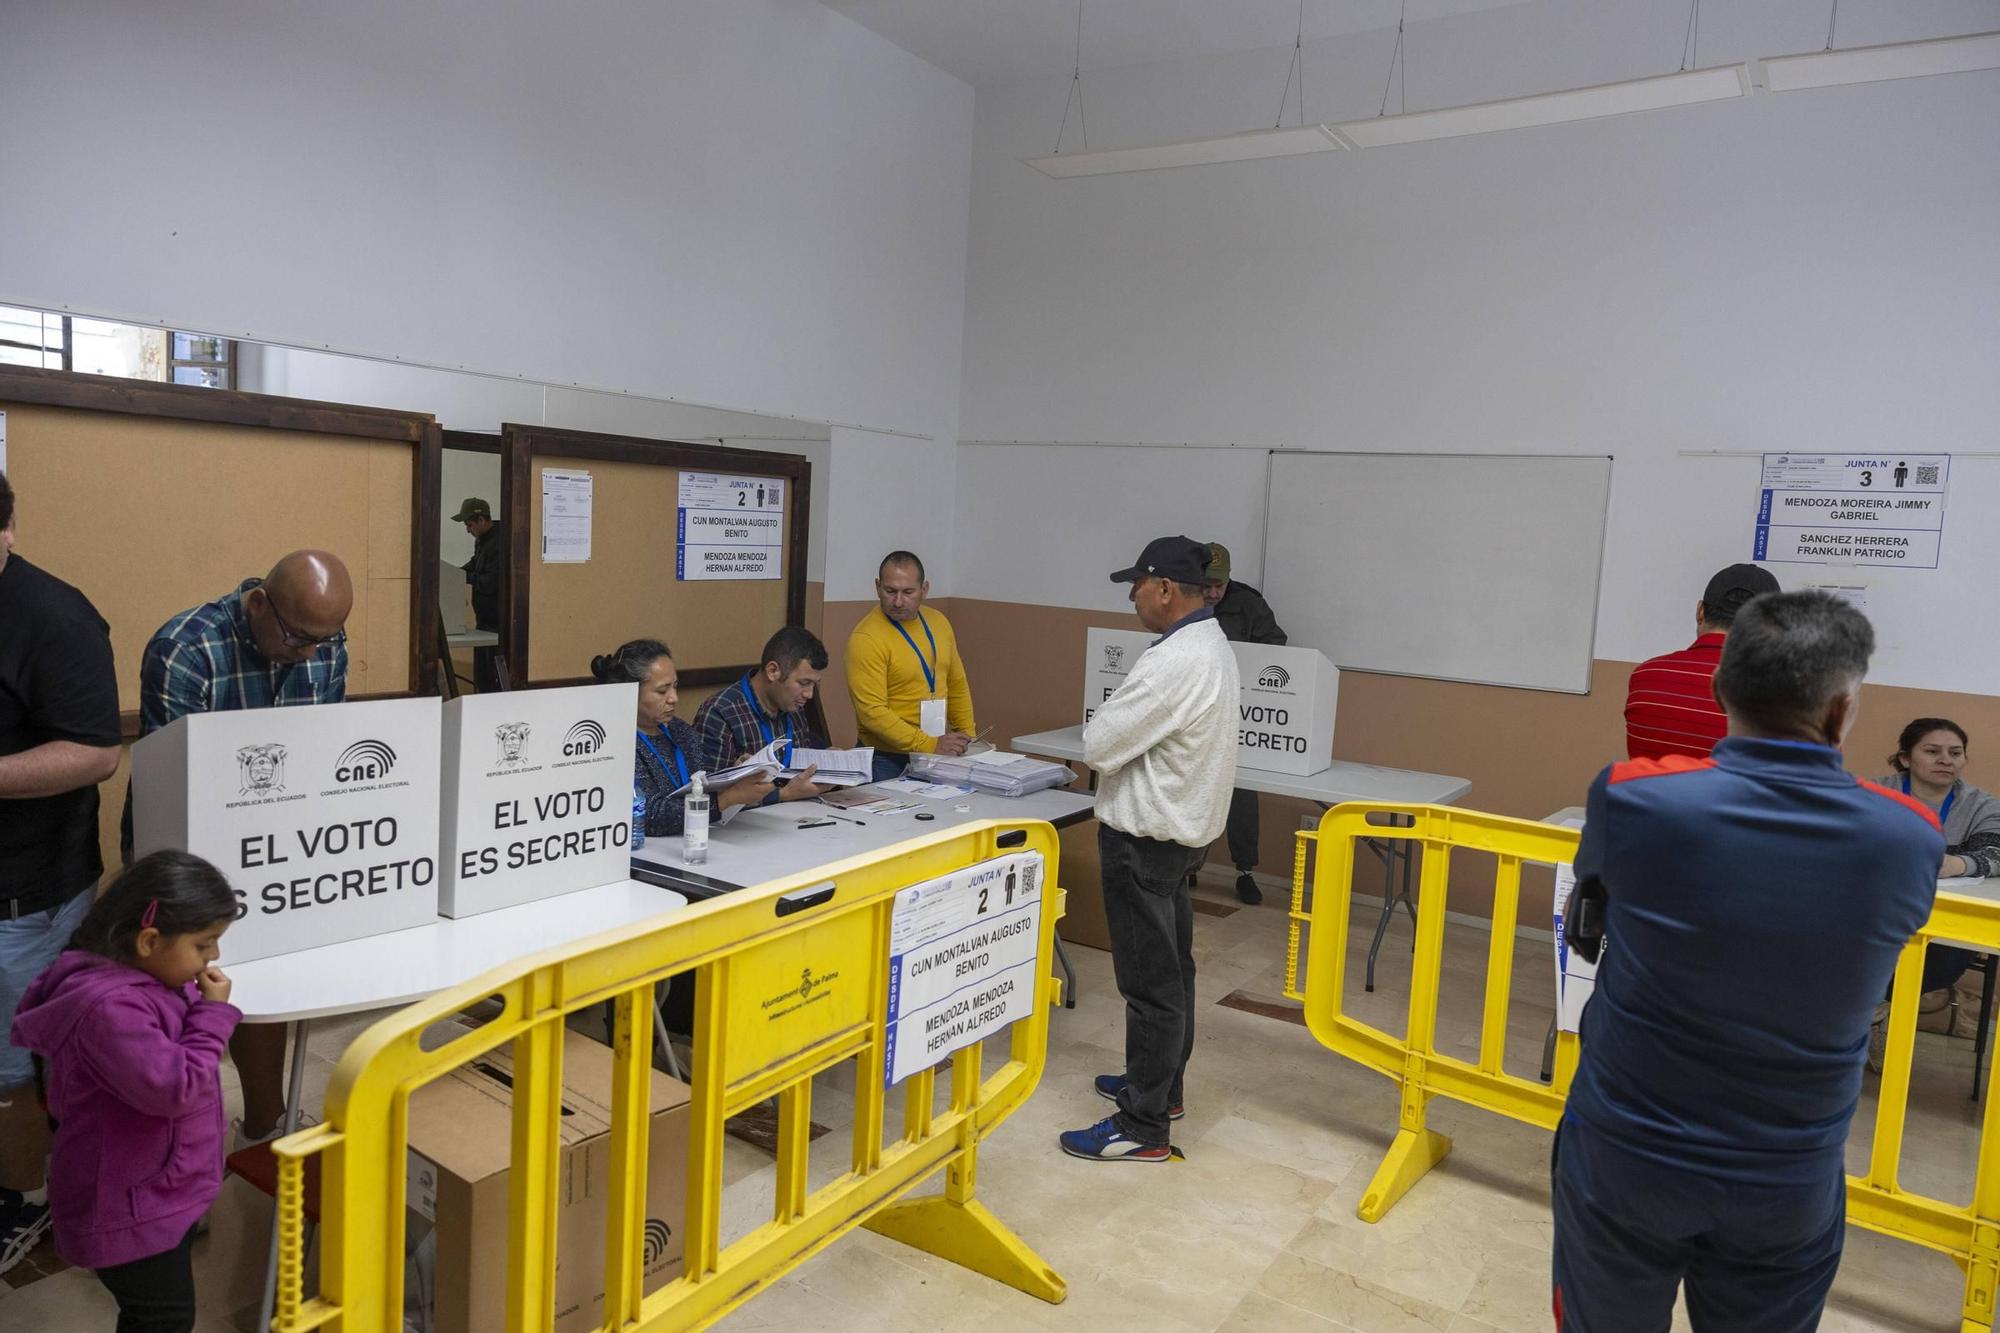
[{"x": 1473, "y": 567}]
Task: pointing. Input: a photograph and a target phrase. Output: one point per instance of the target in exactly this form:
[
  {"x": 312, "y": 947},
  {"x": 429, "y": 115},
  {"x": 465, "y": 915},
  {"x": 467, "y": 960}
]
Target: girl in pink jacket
[{"x": 131, "y": 1022}]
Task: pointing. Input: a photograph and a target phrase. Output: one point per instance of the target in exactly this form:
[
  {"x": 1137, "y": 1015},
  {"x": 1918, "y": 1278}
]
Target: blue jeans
[
  {"x": 1629, "y": 1231},
  {"x": 889, "y": 764},
  {"x": 28, "y": 944}
]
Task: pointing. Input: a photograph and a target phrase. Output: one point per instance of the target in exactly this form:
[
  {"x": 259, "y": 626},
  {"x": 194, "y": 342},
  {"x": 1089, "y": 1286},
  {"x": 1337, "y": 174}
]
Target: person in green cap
[
  {"x": 1245, "y": 617},
  {"x": 482, "y": 573}
]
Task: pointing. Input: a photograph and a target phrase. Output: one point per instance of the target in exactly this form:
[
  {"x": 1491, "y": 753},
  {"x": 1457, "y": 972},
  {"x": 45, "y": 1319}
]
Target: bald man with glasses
[{"x": 275, "y": 642}]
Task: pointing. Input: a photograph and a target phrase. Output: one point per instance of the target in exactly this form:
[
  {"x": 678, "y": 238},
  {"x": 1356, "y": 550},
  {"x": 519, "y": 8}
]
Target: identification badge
[{"x": 930, "y": 717}]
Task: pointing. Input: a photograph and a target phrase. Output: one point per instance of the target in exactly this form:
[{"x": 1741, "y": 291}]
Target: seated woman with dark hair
[
  {"x": 669, "y": 751},
  {"x": 1929, "y": 760}
]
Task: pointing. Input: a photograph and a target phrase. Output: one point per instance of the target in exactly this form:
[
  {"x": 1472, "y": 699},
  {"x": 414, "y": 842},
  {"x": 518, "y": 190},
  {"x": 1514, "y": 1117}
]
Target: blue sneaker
[
  {"x": 1109, "y": 1085},
  {"x": 1105, "y": 1142}
]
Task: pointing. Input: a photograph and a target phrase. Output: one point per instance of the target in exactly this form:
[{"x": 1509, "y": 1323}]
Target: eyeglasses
[{"x": 296, "y": 639}]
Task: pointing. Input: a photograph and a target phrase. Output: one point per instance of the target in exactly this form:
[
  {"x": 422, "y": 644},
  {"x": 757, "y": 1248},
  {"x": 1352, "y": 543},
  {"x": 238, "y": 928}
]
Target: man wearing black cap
[
  {"x": 1670, "y": 706},
  {"x": 1164, "y": 747},
  {"x": 482, "y": 573}
]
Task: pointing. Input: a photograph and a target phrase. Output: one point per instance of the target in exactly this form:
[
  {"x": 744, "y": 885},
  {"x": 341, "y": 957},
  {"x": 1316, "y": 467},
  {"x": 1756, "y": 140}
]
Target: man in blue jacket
[{"x": 1754, "y": 904}]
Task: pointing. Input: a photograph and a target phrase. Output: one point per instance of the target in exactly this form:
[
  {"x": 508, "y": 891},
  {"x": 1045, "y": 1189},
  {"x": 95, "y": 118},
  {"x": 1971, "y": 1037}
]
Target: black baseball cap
[
  {"x": 1182, "y": 559},
  {"x": 1734, "y": 586}
]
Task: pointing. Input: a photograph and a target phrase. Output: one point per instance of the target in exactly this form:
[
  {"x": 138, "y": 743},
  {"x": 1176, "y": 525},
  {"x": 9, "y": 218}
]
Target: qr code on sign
[{"x": 1927, "y": 476}]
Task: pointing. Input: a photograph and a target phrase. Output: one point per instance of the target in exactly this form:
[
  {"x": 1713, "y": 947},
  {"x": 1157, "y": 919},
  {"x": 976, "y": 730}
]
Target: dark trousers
[
  {"x": 155, "y": 1294},
  {"x": 485, "y": 661},
  {"x": 1242, "y": 832},
  {"x": 1629, "y": 1231},
  {"x": 889, "y": 765},
  {"x": 1151, "y": 924}
]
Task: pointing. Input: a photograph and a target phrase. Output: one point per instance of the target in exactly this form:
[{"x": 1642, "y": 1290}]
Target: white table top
[
  {"x": 406, "y": 965},
  {"x": 473, "y": 638},
  {"x": 766, "y": 843},
  {"x": 1335, "y": 783}
]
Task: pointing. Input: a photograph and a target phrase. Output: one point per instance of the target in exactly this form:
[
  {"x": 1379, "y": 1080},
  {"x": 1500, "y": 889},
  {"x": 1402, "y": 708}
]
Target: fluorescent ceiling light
[
  {"x": 1871, "y": 64},
  {"x": 1192, "y": 152},
  {"x": 1607, "y": 99}
]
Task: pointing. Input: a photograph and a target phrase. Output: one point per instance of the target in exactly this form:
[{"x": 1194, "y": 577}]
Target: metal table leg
[
  {"x": 1391, "y": 851},
  {"x": 1549, "y": 1054},
  {"x": 1069, "y": 975},
  {"x": 294, "y": 1097},
  {"x": 660, "y": 1041}
]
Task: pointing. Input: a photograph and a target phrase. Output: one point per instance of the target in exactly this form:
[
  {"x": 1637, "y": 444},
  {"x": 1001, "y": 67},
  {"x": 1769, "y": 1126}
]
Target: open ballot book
[{"x": 782, "y": 759}]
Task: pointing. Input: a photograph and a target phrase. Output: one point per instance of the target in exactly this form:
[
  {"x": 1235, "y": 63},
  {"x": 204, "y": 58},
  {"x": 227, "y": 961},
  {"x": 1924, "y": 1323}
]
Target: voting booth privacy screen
[
  {"x": 1285, "y": 710},
  {"x": 537, "y": 794},
  {"x": 325, "y": 819}
]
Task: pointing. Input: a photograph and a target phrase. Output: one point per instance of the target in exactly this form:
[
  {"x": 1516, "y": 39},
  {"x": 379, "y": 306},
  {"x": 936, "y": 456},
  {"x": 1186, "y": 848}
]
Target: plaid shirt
[
  {"x": 731, "y": 726},
  {"x": 205, "y": 661}
]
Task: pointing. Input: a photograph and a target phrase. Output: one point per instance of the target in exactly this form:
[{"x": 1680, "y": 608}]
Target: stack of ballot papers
[
  {"x": 782, "y": 759},
  {"x": 999, "y": 773}
]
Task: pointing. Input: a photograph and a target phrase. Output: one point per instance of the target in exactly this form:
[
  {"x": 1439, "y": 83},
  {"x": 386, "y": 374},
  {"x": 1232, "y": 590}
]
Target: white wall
[
  {"x": 1811, "y": 271},
  {"x": 754, "y": 204},
  {"x": 885, "y": 494},
  {"x": 1046, "y": 524}
]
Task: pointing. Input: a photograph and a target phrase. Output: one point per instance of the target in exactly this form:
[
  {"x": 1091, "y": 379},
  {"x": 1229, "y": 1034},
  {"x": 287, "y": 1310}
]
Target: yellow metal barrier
[
  {"x": 1969, "y": 1233},
  {"x": 791, "y": 981},
  {"x": 1414, "y": 1061}
]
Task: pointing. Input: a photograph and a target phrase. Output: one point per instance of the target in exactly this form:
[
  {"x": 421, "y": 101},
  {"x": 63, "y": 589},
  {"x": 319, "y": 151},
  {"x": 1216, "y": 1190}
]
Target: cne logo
[
  {"x": 260, "y": 770},
  {"x": 585, "y": 737},
  {"x": 658, "y": 1236},
  {"x": 1274, "y": 677},
  {"x": 364, "y": 761}
]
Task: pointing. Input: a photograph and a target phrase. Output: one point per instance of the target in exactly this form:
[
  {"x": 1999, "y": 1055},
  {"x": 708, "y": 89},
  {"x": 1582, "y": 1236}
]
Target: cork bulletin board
[
  {"x": 154, "y": 498},
  {"x": 557, "y": 616}
]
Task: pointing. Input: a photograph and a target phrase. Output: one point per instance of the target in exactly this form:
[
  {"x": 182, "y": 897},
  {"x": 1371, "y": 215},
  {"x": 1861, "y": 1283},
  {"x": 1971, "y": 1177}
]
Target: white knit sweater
[{"x": 1164, "y": 745}]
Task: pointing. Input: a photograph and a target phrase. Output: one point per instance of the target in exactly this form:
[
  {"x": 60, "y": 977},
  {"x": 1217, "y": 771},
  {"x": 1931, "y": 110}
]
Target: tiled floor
[{"x": 1256, "y": 1230}]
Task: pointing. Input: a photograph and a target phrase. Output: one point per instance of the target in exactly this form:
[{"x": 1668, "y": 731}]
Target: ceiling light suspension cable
[
  {"x": 1297, "y": 67},
  {"x": 1076, "y": 89},
  {"x": 1396, "y": 62}
]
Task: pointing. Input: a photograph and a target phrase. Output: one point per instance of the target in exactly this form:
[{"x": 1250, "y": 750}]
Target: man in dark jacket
[
  {"x": 1245, "y": 617},
  {"x": 482, "y": 574},
  {"x": 1754, "y": 905}
]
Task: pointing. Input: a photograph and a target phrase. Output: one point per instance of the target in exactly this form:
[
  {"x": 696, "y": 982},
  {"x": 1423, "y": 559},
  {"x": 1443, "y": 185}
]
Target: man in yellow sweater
[{"x": 904, "y": 673}]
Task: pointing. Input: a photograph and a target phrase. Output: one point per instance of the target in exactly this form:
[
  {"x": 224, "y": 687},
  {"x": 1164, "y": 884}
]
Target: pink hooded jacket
[{"x": 133, "y": 1090}]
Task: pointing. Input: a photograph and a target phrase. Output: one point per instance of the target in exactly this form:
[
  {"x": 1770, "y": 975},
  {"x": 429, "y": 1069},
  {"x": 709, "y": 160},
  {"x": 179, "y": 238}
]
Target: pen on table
[{"x": 846, "y": 819}]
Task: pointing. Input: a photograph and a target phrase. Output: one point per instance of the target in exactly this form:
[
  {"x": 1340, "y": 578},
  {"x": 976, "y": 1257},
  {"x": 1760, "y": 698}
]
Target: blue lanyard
[
  {"x": 757, "y": 711},
  {"x": 1944, "y": 811},
  {"x": 930, "y": 676},
  {"x": 680, "y": 763}
]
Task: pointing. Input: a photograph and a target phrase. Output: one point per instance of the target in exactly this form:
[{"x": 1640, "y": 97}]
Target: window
[
  {"x": 31, "y": 338},
  {"x": 204, "y": 359},
  {"x": 130, "y": 351}
]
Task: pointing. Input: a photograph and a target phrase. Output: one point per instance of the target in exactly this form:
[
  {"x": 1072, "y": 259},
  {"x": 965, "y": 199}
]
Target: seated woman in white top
[{"x": 1930, "y": 757}]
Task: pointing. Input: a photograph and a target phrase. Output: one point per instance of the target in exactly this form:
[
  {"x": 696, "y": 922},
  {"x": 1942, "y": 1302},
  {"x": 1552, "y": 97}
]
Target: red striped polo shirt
[{"x": 1670, "y": 706}]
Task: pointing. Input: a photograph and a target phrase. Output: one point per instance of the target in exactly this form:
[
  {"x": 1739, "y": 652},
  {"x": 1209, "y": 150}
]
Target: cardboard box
[
  {"x": 459, "y": 1140},
  {"x": 1083, "y": 919}
]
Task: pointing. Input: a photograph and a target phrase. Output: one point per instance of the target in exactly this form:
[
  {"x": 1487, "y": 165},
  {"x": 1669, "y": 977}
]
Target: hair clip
[{"x": 152, "y": 910}]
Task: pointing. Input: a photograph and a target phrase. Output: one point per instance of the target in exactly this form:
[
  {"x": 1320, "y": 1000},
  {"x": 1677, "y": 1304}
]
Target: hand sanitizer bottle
[
  {"x": 638, "y": 819},
  {"x": 694, "y": 837}
]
